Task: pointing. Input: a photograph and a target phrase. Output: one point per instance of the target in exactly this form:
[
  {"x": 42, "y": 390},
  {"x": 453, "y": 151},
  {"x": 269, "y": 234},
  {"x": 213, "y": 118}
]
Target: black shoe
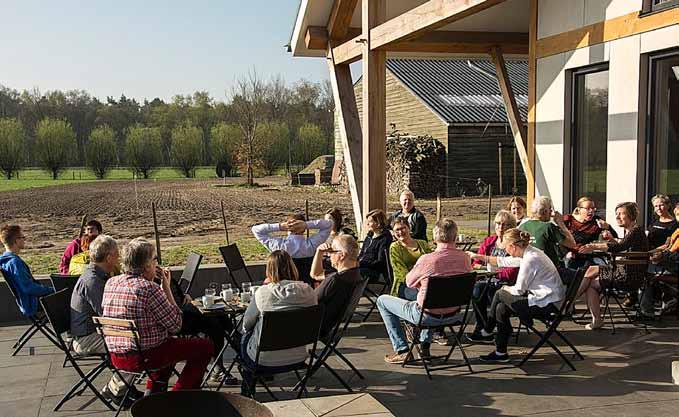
[
  {"x": 479, "y": 338},
  {"x": 118, "y": 401},
  {"x": 135, "y": 394},
  {"x": 425, "y": 352},
  {"x": 494, "y": 357}
]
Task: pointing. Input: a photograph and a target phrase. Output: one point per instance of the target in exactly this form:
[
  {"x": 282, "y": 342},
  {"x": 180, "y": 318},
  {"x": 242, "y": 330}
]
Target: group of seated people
[{"x": 531, "y": 254}]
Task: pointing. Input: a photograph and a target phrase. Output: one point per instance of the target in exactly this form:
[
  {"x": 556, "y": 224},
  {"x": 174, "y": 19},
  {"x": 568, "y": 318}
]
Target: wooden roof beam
[
  {"x": 340, "y": 18},
  {"x": 412, "y": 24}
]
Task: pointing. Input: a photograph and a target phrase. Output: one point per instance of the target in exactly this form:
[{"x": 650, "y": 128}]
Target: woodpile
[{"x": 417, "y": 163}]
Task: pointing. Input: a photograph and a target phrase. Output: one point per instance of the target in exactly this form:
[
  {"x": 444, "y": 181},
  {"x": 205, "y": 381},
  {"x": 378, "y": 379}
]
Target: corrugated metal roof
[{"x": 459, "y": 92}]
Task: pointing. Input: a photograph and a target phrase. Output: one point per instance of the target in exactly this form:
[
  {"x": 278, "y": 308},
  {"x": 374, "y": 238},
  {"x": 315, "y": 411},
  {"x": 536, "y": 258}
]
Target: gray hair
[
  {"x": 348, "y": 245},
  {"x": 407, "y": 192},
  {"x": 101, "y": 247},
  {"x": 541, "y": 207},
  {"x": 506, "y": 217},
  {"x": 445, "y": 231},
  {"x": 137, "y": 254}
]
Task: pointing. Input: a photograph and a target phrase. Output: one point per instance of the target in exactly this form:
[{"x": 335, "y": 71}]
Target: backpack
[{"x": 78, "y": 263}]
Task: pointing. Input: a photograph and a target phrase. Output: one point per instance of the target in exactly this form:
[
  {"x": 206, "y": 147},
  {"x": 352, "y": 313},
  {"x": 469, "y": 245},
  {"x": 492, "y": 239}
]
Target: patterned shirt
[{"x": 132, "y": 297}]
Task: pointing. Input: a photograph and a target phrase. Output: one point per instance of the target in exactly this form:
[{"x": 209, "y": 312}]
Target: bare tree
[{"x": 248, "y": 103}]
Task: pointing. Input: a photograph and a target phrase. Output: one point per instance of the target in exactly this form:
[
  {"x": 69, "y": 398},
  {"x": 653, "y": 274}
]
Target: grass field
[{"x": 35, "y": 178}]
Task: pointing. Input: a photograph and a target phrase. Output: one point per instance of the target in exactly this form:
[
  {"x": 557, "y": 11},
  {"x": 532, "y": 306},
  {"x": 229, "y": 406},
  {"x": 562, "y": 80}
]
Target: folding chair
[
  {"x": 382, "y": 281},
  {"x": 58, "y": 311},
  {"x": 189, "y": 272},
  {"x": 234, "y": 262},
  {"x": 38, "y": 322},
  {"x": 303, "y": 266},
  {"x": 445, "y": 292},
  {"x": 127, "y": 329},
  {"x": 61, "y": 282},
  {"x": 334, "y": 337},
  {"x": 552, "y": 321},
  {"x": 619, "y": 286},
  {"x": 286, "y": 329}
]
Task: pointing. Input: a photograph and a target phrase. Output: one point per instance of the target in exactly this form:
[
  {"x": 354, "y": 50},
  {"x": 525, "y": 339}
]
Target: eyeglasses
[{"x": 587, "y": 208}]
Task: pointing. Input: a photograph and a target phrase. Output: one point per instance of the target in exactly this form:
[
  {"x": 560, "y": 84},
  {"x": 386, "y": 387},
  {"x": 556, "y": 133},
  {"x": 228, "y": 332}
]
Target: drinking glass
[
  {"x": 211, "y": 289},
  {"x": 246, "y": 287},
  {"x": 226, "y": 286}
]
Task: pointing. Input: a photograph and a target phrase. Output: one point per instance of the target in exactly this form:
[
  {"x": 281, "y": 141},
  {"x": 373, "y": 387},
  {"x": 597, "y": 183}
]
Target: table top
[{"x": 234, "y": 306}]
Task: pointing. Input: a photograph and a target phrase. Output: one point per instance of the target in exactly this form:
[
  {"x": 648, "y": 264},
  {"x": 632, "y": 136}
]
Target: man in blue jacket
[{"x": 17, "y": 273}]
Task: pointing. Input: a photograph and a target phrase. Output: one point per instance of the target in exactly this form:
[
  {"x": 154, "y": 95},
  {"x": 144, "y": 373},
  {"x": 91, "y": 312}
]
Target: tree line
[{"x": 262, "y": 126}]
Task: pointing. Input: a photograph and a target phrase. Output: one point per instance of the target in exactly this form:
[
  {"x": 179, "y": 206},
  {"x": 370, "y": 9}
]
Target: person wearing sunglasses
[{"x": 586, "y": 227}]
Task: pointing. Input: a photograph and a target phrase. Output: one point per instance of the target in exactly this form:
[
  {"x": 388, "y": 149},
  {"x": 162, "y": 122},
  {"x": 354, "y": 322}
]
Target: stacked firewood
[{"x": 417, "y": 163}]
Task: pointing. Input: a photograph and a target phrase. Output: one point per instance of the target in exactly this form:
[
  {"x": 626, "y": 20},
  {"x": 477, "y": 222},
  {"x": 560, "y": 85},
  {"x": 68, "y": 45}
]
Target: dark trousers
[
  {"x": 482, "y": 295},
  {"x": 193, "y": 322},
  {"x": 503, "y": 307},
  {"x": 195, "y": 351}
]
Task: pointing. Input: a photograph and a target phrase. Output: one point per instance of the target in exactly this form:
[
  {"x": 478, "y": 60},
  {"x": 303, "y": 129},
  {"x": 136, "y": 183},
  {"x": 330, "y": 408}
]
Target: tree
[
  {"x": 100, "y": 153},
  {"x": 11, "y": 146},
  {"x": 225, "y": 140},
  {"x": 249, "y": 111},
  {"x": 143, "y": 150},
  {"x": 187, "y": 148},
  {"x": 310, "y": 144},
  {"x": 55, "y": 145},
  {"x": 276, "y": 137}
]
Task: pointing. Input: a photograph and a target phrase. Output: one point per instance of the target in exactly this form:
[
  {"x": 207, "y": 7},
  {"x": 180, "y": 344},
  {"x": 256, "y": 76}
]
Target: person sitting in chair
[
  {"x": 538, "y": 286},
  {"x": 447, "y": 261},
  {"x": 283, "y": 291},
  {"x": 81, "y": 244},
  {"x": 415, "y": 218},
  {"x": 134, "y": 296},
  {"x": 17, "y": 273},
  {"x": 403, "y": 254},
  {"x": 372, "y": 258}
]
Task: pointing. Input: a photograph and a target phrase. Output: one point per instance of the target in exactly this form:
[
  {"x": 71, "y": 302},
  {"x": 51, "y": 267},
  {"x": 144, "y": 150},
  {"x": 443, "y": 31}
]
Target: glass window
[
  {"x": 655, "y": 5},
  {"x": 589, "y": 135},
  {"x": 663, "y": 162}
]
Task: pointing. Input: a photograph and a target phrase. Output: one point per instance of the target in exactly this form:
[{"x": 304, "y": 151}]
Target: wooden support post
[
  {"x": 350, "y": 132},
  {"x": 155, "y": 231},
  {"x": 374, "y": 111},
  {"x": 512, "y": 110},
  {"x": 306, "y": 216},
  {"x": 499, "y": 159},
  {"x": 438, "y": 207},
  {"x": 532, "y": 97},
  {"x": 490, "y": 205},
  {"x": 226, "y": 228}
]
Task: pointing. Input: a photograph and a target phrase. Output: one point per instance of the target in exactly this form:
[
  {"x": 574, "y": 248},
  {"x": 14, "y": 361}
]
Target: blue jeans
[{"x": 394, "y": 309}]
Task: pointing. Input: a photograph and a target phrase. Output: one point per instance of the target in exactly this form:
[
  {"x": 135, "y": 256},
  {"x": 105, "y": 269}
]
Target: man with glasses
[{"x": 18, "y": 273}]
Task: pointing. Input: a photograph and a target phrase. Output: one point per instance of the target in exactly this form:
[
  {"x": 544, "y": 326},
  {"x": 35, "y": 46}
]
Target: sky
[{"x": 147, "y": 48}]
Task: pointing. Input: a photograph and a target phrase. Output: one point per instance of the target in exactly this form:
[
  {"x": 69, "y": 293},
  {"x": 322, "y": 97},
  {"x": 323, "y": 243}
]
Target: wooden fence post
[
  {"x": 490, "y": 203},
  {"x": 226, "y": 229},
  {"x": 155, "y": 231}
]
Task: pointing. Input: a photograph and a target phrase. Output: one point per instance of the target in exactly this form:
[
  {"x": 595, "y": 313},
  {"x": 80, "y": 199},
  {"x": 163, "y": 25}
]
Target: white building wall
[{"x": 623, "y": 56}]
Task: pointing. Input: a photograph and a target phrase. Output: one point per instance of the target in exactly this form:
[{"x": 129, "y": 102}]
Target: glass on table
[
  {"x": 211, "y": 289},
  {"x": 227, "y": 292}
]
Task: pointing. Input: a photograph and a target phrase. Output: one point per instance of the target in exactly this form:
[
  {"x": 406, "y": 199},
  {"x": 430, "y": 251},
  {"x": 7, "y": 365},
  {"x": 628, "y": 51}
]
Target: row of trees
[{"x": 263, "y": 125}]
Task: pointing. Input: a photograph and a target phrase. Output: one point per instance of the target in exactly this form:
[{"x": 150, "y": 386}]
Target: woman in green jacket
[{"x": 403, "y": 254}]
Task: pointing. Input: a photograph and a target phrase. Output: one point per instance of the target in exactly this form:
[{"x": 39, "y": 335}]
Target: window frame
[
  {"x": 570, "y": 130},
  {"x": 649, "y": 7}
]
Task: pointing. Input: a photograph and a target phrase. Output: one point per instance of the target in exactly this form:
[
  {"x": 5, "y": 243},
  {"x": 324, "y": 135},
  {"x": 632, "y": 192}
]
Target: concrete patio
[{"x": 628, "y": 373}]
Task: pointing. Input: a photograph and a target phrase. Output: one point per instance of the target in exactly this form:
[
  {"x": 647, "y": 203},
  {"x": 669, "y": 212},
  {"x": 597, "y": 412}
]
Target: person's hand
[
  {"x": 165, "y": 276},
  {"x": 585, "y": 249},
  {"x": 606, "y": 235},
  {"x": 297, "y": 226},
  {"x": 283, "y": 226},
  {"x": 558, "y": 217},
  {"x": 656, "y": 257},
  {"x": 324, "y": 247},
  {"x": 602, "y": 224},
  {"x": 187, "y": 299},
  {"x": 473, "y": 256}
]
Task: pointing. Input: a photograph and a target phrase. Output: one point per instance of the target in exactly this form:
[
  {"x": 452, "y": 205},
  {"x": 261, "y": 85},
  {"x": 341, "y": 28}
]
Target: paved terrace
[{"x": 628, "y": 373}]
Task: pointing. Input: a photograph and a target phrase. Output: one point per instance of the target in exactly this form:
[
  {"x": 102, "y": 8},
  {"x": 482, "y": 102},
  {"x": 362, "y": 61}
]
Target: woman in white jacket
[
  {"x": 538, "y": 287},
  {"x": 284, "y": 291}
]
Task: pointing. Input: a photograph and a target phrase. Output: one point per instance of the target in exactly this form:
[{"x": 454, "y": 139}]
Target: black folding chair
[
  {"x": 303, "y": 266},
  {"x": 620, "y": 286},
  {"x": 552, "y": 320},
  {"x": 234, "y": 262},
  {"x": 382, "y": 281},
  {"x": 58, "y": 311},
  {"x": 64, "y": 282},
  {"x": 189, "y": 272},
  {"x": 38, "y": 322},
  {"x": 286, "y": 329},
  {"x": 444, "y": 292},
  {"x": 334, "y": 337}
]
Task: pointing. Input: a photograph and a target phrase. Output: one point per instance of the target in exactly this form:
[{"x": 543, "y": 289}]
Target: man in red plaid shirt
[{"x": 134, "y": 296}]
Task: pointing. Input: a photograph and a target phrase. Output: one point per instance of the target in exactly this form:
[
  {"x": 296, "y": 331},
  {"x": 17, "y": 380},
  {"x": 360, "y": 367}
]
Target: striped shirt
[{"x": 131, "y": 297}]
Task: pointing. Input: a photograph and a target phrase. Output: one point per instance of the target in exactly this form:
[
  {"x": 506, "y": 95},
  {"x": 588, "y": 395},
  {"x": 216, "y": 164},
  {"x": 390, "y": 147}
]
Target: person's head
[
  {"x": 517, "y": 206},
  {"x": 504, "y": 220},
  {"x": 344, "y": 252},
  {"x": 13, "y": 237},
  {"x": 516, "y": 241},
  {"x": 407, "y": 200},
  {"x": 104, "y": 252},
  {"x": 139, "y": 258},
  {"x": 445, "y": 231},
  {"x": 626, "y": 214},
  {"x": 401, "y": 229},
  {"x": 93, "y": 229},
  {"x": 541, "y": 208},
  {"x": 661, "y": 205},
  {"x": 296, "y": 217},
  {"x": 335, "y": 215},
  {"x": 376, "y": 221},
  {"x": 676, "y": 212},
  {"x": 280, "y": 267},
  {"x": 585, "y": 209}
]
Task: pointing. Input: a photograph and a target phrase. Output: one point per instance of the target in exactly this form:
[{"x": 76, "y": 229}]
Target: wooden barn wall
[{"x": 473, "y": 154}]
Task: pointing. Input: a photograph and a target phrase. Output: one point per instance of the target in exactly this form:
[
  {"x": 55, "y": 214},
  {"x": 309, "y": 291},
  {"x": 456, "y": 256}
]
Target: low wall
[{"x": 9, "y": 312}]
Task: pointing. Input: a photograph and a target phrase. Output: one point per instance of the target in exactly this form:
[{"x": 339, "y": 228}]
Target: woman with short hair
[
  {"x": 664, "y": 225},
  {"x": 586, "y": 227},
  {"x": 372, "y": 258},
  {"x": 597, "y": 277},
  {"x": 545, "y": 235},
  {"x": 403, "y": 254},
  {"x": 517, "y": 206}
]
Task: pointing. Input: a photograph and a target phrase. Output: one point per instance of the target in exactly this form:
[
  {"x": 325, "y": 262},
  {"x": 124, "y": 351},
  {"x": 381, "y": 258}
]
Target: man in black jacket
[{"x": 416, "y": 220}]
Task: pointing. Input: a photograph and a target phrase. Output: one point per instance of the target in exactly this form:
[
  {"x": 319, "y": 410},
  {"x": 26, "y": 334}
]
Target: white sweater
[{"x": 539, "y": 278}]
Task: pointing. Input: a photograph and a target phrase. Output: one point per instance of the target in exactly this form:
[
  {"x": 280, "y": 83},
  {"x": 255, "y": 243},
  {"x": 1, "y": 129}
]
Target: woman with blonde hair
[
  {"x": 517, "y": 206},
  {"x": 538, "y": 286},
  {"x": 283, "y": 291},
  {"x": 664, "y": 225}
]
